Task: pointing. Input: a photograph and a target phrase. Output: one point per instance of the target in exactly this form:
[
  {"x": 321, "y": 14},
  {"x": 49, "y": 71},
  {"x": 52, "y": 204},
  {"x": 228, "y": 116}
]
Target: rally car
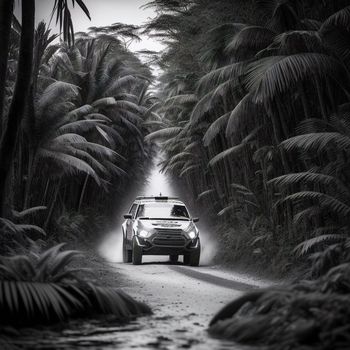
[{"x": 160, "y": 226}]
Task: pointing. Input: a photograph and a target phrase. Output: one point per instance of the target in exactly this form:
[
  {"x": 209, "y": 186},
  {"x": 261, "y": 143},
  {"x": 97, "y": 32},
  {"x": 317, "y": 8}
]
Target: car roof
[{"x": 148, "y": 199}]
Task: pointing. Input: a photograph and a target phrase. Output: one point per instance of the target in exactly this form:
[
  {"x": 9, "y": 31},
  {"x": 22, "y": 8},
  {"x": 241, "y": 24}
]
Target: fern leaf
[
  {"x": 304, "y": 247},
  {"x": 316, "y": 142},
  {"x": 227, "y": 153}
]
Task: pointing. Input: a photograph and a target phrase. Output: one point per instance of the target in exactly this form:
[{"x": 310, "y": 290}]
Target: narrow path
[{"x": 183, "y": 300}]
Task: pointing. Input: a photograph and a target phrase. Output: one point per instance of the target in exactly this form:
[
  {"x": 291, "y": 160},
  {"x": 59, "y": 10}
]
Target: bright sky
[{"x": 104, "y": 12}]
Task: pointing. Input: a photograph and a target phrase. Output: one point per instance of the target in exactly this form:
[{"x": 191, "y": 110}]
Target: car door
[{"x": 130, "y": 222}]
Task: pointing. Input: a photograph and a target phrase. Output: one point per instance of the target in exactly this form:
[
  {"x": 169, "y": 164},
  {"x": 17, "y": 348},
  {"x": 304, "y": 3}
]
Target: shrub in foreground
[
  {"x": 41, "y": 288},
  {"x": 305, "y": 315}
]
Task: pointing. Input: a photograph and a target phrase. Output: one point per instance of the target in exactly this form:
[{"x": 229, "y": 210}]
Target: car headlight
[
  {"x": 192, "y": 234},
  {"x": 144, "y": 234}
]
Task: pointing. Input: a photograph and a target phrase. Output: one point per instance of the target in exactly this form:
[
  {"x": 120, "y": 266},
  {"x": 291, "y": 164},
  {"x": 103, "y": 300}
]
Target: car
[{"x": 160, "y": 226}]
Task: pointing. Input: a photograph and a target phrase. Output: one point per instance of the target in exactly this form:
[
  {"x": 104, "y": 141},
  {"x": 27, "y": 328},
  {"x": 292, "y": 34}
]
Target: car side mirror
[
  {"x": 127, "y": 216},
  {"x": 195, "y": 219}
]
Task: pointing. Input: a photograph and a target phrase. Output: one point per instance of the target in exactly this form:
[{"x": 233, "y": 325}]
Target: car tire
[
  {"x": 136, "y": 253},
  {"x": 173, "y": 258},
  {"x": 127, "y": 253},
  {"x": 193, "y": 258}
]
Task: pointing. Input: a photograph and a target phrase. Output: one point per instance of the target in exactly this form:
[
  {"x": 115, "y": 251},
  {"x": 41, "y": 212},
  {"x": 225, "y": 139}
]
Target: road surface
[{"x": 183, "y": 300}]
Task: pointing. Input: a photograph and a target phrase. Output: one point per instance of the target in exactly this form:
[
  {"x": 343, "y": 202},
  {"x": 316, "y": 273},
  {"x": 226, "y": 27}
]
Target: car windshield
[{"x": 162, "y": 211}]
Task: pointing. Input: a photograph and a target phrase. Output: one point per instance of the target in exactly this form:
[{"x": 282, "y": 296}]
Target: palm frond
[
  {"x": 338, "y": 19},
  {"x": 79, "y": 126},
  {"x": 227, "y": 153},
  {"x": 119, "y": 84},
  {"x": 68, "y": 138},
  {"x": 163, "y": 133},
  {"x": 324, "y": 200},
  {"x": 27, "y": 212},
  {"x": 298, "y": 41},
  {"x": 16, "y": 229},
  {"x": 181, "y": 156},
  {"x": 226, "y": 210},
  {"x": 181, "y": 100},
  {"x": 69, "y": 164},
  {"x": 250, "y": 40},
  {"x": 218, "y": 76},
  {"x": 241, "y": 114},
  {"x": 55, "y": 92},
  {"x": 307, "y": 214},
  {"x": 273, "y": 76},
  {"x": 206, "y": 193},
  {"x": 103, "y": 102},
  {"x": 303, "y": 178},
  {"x": 317, "y": 142},
  {"x": 188, "y": 169},
  {"x": 242, "y": 189},
  {"x": 217, "y": 39},
  {"x": 215, "y": 128},
  {"x": 99, "y": 150},
  {"x": 79, "y": 112},
  {"x": 305, "y": 247}
]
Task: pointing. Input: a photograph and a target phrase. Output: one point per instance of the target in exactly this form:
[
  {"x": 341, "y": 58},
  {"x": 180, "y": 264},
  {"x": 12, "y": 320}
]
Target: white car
[{"x": 160, "y": 226}]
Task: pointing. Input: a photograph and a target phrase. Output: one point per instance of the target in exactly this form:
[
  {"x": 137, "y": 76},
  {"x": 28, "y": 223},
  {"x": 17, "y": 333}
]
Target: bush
[
  {"x": 41, "y": 288},
  {"x": 305, "y": 315}
]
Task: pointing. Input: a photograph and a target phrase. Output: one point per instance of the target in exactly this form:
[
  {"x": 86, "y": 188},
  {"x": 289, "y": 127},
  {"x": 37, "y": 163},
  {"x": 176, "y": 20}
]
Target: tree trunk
[
  {"x": 6, "y": 9},
  {"x": 45, "y": 192},
  {"x": 81, "y": 198},
  {"x": 20, "y": 97},
  {"x": 52, "y": 204},
  {"x": 30, "y": 174}
]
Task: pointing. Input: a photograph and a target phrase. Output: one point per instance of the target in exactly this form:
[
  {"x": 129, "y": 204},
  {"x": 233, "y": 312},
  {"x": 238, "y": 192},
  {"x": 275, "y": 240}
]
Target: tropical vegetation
[
  {"x": 42, "y": 288},
  {"x": 83, "y": 125},
  {"x": 306, "y": 315},
  {"x": 73, "y": 112},
  {"x": 256, "y": 109}
]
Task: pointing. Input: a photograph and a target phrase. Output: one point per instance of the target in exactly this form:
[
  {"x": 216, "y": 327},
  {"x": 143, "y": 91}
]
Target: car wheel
[
  {"x": 127, "y": 253},
  {"x": 136, "y": 253},
  {"x": 173, "y": 258},
  {"x": 193, "y": 258}
]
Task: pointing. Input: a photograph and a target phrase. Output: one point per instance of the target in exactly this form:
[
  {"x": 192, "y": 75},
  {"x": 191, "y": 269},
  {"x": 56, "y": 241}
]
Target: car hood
[{"x": 166, "y": 224}]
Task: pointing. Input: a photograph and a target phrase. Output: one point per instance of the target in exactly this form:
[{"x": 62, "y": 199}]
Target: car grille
[{"x": 169, "y": 238}]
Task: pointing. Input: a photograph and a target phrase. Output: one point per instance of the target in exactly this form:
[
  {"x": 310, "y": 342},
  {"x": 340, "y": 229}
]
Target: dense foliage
[
  {"x": 42, "y": 287},
  {"x": 72, "y": 126},
  {"x": 256, "y": 122},
  {"x": 306, "y": 315},
  {"x": 81, "y": 138}
]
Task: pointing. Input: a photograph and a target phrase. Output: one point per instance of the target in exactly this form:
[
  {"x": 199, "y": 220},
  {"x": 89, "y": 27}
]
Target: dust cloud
[{"x": 157, "y": 183}]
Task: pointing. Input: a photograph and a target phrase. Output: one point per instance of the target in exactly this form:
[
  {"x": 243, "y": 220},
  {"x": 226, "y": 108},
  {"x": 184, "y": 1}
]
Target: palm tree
[
  {"x": 58, "y": 142},
  {"x": 24, "y": 76},
  {"x": 322, "y": 202},
  {"x": 258, "y": 83},
  {"x": 81, "y": 123},
  {"x": 6, "y": 8}
]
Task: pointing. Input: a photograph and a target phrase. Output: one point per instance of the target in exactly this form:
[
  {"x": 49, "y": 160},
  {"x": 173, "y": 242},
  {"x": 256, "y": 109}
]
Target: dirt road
[{"x": 183, "y": 300}]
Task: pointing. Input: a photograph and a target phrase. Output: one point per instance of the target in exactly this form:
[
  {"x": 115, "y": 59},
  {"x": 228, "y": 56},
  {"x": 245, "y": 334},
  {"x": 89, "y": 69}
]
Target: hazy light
[{"x": 157, "y": 183}]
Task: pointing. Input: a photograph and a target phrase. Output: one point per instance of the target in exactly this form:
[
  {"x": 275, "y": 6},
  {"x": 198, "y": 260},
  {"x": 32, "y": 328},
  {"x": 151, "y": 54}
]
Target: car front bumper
[{"x": 149, "y": 246}]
